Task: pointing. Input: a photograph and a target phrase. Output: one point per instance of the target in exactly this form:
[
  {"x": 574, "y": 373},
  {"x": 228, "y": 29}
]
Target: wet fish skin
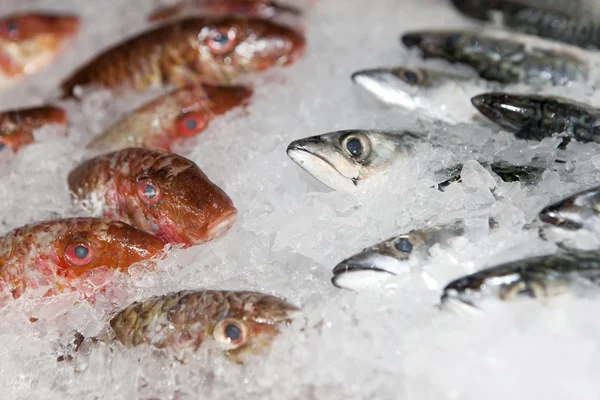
[
  {"x": 539, "y": 277},
  {"x": 347, "y": 159},
  {"x": 402, "y": 86},
  {"x": 393, "y": 256},
  {"x": 535, "y": 117},
  {"x": 193, "y": 50},
  {"x": 159, "y": 192},
  {"x": 526, "y": 174},
  {"x": 502, "y": 60},
  {"x": 252, "y": 8},
  {"x": 31, "y": 41},
  {"x": 47, "y": 254},
  {"x": 183, "y": 112},
  {"x": 240, "y": 322},
  {"x": 568, "y": 22},
  {"x": 17, "y": 126}
]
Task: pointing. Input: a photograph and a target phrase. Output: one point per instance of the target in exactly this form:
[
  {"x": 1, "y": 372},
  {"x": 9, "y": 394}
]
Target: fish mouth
[
  {"x": 317, "y": 164},
  {"x": 386, "y": 86},
  {"x": 456, "y": 303},
  {"x": 550, "y": 217},
  {"x": 357, "y": 277},
  {"x": 220, "y": 227}
]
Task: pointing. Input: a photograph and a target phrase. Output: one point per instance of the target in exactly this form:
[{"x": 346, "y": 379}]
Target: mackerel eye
[
  {"x": 79, "y": 254},
  {"x": 231, "y": 333},
  {"x": 411, "y": 77},
  {"x": 220, "y": 41},
  {"x": 403, "y": 245},
  {"x": 148, "y": 191},
  {"x": 190, "y": 124},
  {"x": 357, "y": 147}
]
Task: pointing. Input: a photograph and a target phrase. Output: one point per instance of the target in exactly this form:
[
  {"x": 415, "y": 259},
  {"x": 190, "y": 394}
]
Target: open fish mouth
[
  {"x": 459, "y": 304},
  {"x": 318, "y": 165},
  {"x": 357, "y": 277}
]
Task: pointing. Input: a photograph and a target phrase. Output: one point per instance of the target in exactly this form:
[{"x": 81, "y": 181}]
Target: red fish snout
[{"x": 220, "y": 226}]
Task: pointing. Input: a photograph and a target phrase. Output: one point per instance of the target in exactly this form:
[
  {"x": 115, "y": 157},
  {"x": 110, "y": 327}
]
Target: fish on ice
[
  {"x": 29, "y": 42},
  {"x": 183, "y": 112},
  {"x": 501, "y": 59},
  {"x": 159, "y": 192},
  {"x": 17, "y": 126},
  {"x": 192, "y": 50},
  {"x": 53, "y": 257},
  {"x": 241, "y": 323}
]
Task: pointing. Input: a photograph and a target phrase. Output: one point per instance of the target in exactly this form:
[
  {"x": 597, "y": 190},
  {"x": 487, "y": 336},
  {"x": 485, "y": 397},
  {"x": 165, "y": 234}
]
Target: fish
[
  {"x": 484, "y": 9},
  {"x": 412, "y": 88},
  {"x": 502, "y": 60},
  {"x": 212, "y": 50},
  {"x": 565, "y": 21},
  {"x": 56, "y": 256},
  {"x": 535, "y": 117},
  {"x": 241, "y": 323},
  {"x": 394, "y": 256},
  {"x": 159, "y": 192},
  {"x": 181, "y": 113},
  {"x": 253, "y": 8},
  {"x": 29, "y": 42},
  {"x": 575, "y": 216},
  {"x": 17, "y": 126},
  {"x": 348, "y": 159},
  {"x": 538, "y": 277}
]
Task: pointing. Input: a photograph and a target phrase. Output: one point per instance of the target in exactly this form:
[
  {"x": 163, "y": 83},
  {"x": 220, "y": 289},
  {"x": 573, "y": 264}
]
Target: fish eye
[
  {"x": 190, "y": 124},
  {"x": 231, "y": 333},
  {"x": 220, "y": 40},
  {"x": 148, "y": 191},
  {"x": 79, "y": 254},
  {"x": 403, "y": 245},
  {"x": 411, "y": 76},
  {"x": 357, "y": 146}
]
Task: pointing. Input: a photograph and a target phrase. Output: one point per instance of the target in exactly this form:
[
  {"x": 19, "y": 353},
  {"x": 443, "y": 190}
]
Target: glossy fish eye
[
  {"x": 190, "y": 124},
  {"x": 220, "y": 41},
  {"x": 79, "y": 254},
  {"x": 354, "y": 147},
  {"x": 403, "y": 245},
  {"x": 231, "y": 333},
  {"x": 148, "y": 191},
  {"x": 411, "y": 76},
  {"x": 357, "y": 146}
]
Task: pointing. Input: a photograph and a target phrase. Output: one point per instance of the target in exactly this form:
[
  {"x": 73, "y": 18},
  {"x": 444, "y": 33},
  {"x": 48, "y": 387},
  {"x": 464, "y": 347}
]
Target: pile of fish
[
  {"x": 144, "y": 200},
  {"x": 352, "y": 159}
]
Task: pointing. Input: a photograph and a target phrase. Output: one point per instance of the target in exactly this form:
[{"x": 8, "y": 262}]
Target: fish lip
[
  {"x": 298, "y": 146},
  {"x": 218, "y": 228},
  {"x": 344, "y": 268},
  {"x": 547, "y": 217}
]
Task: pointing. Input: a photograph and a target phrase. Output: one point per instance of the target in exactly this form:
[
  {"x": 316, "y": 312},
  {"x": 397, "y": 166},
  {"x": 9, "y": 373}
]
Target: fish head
[
  {"x": 579, "y": 212},
  {"x": 249, "y": 44},
  {"x": 175, "y": 200},
  {"x": 90, "y": 243},
  {"x": 195, "y": 115},
  {"x": 344, "y": 160},
  {"x": 439, "y": 44},
  {"x": 509, "y": 111},
  {"x": 250, "y": 323},
  {"x": 31, "y": 40},
  {"x": 398, "y": 86},
  {"x": 376, "y": 263}
]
